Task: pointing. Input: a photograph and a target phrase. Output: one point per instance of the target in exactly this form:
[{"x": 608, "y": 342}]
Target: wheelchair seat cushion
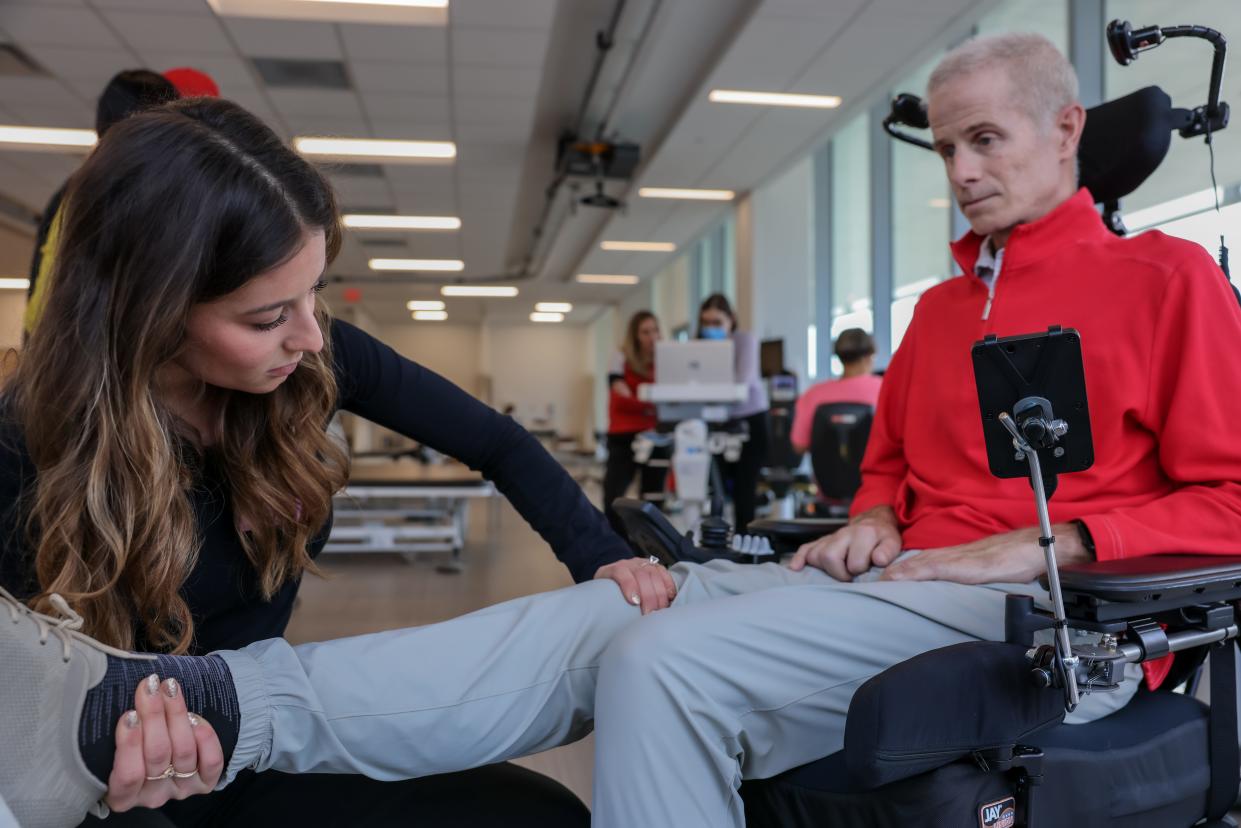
[
  {"x": 937, "y": 707},
  {"x": 1144, "y": 766}
]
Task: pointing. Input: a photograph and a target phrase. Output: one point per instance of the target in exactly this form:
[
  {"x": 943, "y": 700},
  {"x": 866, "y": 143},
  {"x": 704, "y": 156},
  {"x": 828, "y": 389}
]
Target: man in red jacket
[{"x": 694, "y": 699}]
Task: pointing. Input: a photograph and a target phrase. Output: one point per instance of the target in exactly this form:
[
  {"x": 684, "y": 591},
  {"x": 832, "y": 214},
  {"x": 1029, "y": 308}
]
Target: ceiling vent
[{"x": 283, "y": 73}]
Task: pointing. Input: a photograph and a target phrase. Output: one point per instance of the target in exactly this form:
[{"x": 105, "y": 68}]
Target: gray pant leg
[
  {"x": 7, "y": 820},
  {"x": 502, "y": 682},
  {"x": 694, "y": 699}
]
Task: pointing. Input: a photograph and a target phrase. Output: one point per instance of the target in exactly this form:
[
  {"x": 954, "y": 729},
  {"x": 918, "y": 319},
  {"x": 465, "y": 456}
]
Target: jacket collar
[{"x": 1074, "y": 219}]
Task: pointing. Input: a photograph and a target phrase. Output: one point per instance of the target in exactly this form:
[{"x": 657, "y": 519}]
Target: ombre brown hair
[
  {"x": 176, "y": 206},
  {"x": 632, "y": 348}
]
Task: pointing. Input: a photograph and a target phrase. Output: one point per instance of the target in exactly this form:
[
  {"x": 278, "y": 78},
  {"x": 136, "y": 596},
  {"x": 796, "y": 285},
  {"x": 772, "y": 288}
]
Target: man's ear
[{"x": 1069, "y": 125}]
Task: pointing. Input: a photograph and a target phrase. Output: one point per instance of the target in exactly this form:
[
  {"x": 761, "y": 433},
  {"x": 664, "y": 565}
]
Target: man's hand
[
  {"x": 870, "y": 539},
  {"x": 1013, "y": 557},
  {"x": 643, "y": 583}
]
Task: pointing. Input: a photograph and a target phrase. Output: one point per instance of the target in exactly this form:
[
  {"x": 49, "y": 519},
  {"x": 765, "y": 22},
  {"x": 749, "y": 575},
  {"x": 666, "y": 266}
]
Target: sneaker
[{"x": 48, "y": 668}]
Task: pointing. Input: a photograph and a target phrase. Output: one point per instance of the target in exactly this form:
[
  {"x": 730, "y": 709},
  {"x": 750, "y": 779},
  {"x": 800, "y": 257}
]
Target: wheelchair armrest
[
  {"x": 941, "y": 706},
  {"x": 787, "y": 535},
  {"x": 1125, "y": 587}
]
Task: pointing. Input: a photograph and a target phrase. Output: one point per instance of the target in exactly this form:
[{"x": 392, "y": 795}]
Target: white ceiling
[{"x": 502, "y": 79}]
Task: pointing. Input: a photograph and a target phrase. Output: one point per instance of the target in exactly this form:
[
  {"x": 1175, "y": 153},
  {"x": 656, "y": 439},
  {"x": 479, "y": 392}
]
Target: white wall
[
  {"x": 448, "y": 349},
  {"x": 541, "y": 370},
  {"x": 780, "y": 297},
  {"x": 603, "y": 344},
  {"x": 671, "y": 288}
]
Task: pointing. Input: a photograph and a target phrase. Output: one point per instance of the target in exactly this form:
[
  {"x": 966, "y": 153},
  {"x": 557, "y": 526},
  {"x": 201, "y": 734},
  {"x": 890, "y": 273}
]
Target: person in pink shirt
[{"x": 856, "y": 350}]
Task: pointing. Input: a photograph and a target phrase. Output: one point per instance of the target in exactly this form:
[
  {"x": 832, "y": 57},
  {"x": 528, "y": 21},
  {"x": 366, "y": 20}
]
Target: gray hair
[{"x": 1037, "y": 69}]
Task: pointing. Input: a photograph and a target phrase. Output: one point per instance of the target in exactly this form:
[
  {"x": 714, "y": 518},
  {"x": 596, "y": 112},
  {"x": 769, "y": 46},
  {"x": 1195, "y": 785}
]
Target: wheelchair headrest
[
  {"x": 940, "y": 706},
  {"x": 1124, "y": 141}
]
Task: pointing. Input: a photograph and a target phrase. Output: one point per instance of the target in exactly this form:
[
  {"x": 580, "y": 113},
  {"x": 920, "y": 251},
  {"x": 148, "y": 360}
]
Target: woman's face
[
  {"x": 715, "y": 318},
  {"x": 648, "y": 335},
  {"x": 252, "y": 339}
]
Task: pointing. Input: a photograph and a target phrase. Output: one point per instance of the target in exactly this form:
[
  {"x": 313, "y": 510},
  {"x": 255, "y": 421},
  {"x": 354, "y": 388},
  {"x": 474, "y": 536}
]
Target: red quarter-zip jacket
[{"x": 1161, "y": 342}]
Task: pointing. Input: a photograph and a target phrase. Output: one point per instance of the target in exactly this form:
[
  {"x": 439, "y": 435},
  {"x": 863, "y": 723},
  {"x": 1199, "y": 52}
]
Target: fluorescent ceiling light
[
  {"x": 1172, "y": 209},
  {"x": 773, "y": 98},
  {"x": 639, "y": 246},
  {"x": 691, "y": 194},
  {"x": 606, "y": 279},
  {"x": 381, "y": 12},
  {"x": 553, "y": 307},
  {"x": 14, "y": 284},
  {"x": 360, "y": 221},
  {"x": 413, "y": 4},
  {"x": 478, "y": 290},
  {"x": 424, "y": 305},
  {"x": 546, "y": 317},
  {"x": 939, "y": 203},
  {"x": 450, "y": 265},
  {"x": 47, "y": 137},
  {"x": 353, "y": 149},
  {"x": 430, "y": 316}
]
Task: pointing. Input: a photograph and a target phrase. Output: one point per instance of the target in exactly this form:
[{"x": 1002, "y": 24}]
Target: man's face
[{"x": 1004, "y": 168}]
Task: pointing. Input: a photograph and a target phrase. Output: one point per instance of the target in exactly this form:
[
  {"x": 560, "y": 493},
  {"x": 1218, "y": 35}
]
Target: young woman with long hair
[
  {"x": 166, "y": 475},
  {"x": 627, "y": 415}
]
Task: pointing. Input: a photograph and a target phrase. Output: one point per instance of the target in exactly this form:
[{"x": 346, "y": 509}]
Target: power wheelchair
[{"x": 1164, "y": 760}]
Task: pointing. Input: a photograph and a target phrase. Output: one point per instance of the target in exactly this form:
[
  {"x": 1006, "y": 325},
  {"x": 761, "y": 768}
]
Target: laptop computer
[{"x": 698, "y": 361}]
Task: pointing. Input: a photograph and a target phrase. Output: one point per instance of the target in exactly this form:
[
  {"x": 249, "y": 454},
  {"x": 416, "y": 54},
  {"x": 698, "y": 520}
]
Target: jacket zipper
[{"x": 986, "y": 311}]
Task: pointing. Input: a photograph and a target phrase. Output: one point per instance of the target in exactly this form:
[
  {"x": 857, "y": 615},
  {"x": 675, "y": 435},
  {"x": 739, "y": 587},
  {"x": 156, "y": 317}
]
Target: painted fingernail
[
  {"x": 152, "y": 684},
  {"x": 131, "y": 719},
  {"x": 635, "y": 600},
  {"x": 194, "y": 720},
  {"x": 170, "y": 688}
]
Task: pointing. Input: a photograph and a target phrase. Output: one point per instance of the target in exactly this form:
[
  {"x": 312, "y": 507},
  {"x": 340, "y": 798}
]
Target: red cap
[{"x": 192, "y": 83}]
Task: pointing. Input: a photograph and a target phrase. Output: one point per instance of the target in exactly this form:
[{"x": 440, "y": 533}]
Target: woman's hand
[
  {"x": 619, "y": 387},
  {"x": 644, "y": 583},
  {"x": 157, "y": 735}
]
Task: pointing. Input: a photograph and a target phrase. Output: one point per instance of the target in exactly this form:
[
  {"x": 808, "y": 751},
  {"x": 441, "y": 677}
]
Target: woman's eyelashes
[
  {"x": 275, "y": 323},
  {"x": 284, "y": 316}
]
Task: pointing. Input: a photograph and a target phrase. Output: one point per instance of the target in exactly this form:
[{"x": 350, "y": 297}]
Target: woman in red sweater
[{"x": 627, "y": 415}]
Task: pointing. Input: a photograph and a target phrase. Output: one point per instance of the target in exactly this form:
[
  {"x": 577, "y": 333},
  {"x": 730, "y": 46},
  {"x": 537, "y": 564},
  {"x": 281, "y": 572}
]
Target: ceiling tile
[
  {"x": 189, "y": 34},
  {"x": 499, "y": 47},
  {"x": 228, "y": 71},
  {"x": 394, "y": 76},
  {"x": 427, "y": 203},
  {"x": 326, "y": 125},
  {"x": 327, "y": 103},
  {"x": 46, "y": 91},
  {"x": 418, "y": 178},
  {"x": 479, "y": 110},
  {"x": 495, "y": 132},
  {"x": 512, "y": 14},
  {"x": 475, "y": 79},
  {"x": 412, "y": 109},
  {"x": 411, "y": 130},
  {"x": 356, "y": 190},
  {"x": 298, "y": 39},
  {"x": 190, "y": 6},
  {"x": 94, "y": 64},
  {"x": 57, "y": 26},
  {"x": 78, "y": 117},
  {"x": 411, "y": 44}
]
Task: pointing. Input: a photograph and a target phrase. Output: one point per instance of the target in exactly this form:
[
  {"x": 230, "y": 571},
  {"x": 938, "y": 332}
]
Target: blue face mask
[{"x": 713, "y": 332}]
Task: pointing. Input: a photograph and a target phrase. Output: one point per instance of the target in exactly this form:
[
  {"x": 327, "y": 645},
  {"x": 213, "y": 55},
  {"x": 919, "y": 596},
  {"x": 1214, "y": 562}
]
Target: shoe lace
[{"x": 48, "y": 625}]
